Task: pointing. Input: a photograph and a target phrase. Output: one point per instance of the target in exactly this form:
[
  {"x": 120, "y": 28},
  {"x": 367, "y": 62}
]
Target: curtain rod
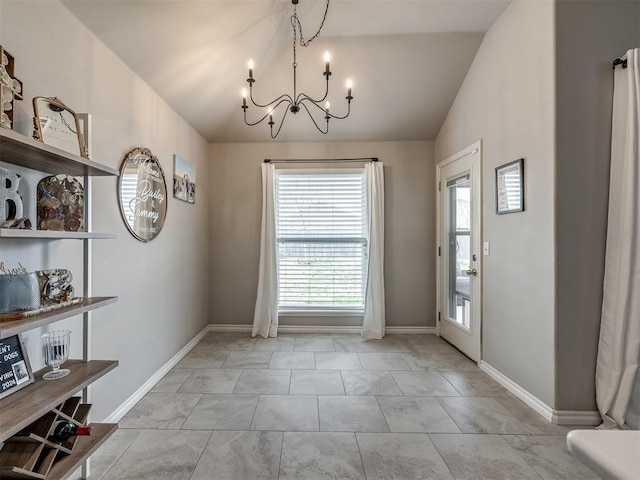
[
  {"x": 619, "y": 61},
  {"x": 320, "y": 160}
]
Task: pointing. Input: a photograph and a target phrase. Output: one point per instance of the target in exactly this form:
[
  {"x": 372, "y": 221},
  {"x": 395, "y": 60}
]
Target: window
[{"x": 321, "y": 237}]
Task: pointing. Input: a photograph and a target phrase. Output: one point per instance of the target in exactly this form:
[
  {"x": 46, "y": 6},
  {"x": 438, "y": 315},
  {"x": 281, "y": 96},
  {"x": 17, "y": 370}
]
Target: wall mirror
[
  {"x": 142, "y": 193},
  {"x": 57, "y": 125}
]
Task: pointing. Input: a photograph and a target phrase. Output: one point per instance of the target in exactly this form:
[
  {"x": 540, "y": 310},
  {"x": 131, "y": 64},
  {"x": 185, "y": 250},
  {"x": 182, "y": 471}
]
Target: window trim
[{"x": 341, "y": 311}]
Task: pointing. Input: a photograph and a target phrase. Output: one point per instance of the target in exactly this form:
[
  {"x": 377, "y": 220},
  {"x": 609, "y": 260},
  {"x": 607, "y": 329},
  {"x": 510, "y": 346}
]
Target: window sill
[{"x": 320, "y": 313}]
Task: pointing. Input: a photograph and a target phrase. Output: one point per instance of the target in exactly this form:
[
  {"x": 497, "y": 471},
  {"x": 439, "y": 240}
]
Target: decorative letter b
[{"x": 10, "y": 201}]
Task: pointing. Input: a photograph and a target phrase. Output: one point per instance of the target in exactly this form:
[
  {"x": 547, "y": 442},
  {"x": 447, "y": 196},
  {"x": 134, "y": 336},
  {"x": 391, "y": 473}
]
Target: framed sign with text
[
  {"x": 142, "y": 193},
  {"x": 15, "y": 370}
]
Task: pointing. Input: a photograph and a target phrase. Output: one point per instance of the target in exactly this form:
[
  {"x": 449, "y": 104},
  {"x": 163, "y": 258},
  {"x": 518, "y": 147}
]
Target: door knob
[{"x": 473, "y": 272}]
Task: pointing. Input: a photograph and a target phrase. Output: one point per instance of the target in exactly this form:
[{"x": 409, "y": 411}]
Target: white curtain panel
[
  {"x": 374, "y": 310},
  {"x": 619, "y": 346},
  {"x": 265, "y": 319}
]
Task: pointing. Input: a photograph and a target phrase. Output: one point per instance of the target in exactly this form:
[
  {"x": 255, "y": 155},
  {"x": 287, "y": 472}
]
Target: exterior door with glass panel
[{"x": 459, "y": 260}]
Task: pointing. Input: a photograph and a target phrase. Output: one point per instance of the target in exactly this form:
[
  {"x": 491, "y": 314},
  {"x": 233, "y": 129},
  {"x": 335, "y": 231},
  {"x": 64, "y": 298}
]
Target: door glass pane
[{"x": 459, "y": 193}]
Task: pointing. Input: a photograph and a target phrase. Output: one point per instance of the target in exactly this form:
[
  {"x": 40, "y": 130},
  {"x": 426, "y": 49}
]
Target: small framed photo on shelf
[
  {"x": 510, "y": 187},
  {"x": 15, "y": 370},
  {"x": 57, "y": 125}
]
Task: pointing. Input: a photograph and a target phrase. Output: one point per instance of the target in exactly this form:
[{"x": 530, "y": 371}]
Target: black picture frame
[
  {"x": 510, "y": 187},
  {"x": 15, "y": 369}
]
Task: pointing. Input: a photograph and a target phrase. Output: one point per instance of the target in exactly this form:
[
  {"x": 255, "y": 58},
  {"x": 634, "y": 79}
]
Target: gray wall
[
  {"x": 507, "y": 100},
  {"x": 236, "y": 202},
  {"x": 589, "y": 35},
  {"x": 162, "y": 285}
]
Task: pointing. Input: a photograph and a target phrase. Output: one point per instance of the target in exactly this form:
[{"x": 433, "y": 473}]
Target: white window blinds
[{"x": 321, "y": 234}]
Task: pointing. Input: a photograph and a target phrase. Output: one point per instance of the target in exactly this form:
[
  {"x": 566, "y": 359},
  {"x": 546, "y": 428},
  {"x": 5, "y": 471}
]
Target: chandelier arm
[
  {"x": 268, "y": 113},
  {"x": 303, "y": 96},
  {"x": 319, "y": 107},
  {"x": 280, "y": 99},
  {"x": 255, "y": 123},
  {"x": 314, "y": 120},
  {"x": 279, "y": 126},
  {"x": 342, "y": 118}
]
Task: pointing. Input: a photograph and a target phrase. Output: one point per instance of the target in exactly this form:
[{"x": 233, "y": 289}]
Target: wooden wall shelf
[
  {"x": 53, "y": 235},
  {"x": 10, "y": 328},
  {"x": 29, "y": 153},
  {"x": 25, "y": 406}
]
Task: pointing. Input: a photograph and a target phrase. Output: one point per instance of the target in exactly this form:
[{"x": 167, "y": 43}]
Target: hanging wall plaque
[{"x": 142, "y": 193}]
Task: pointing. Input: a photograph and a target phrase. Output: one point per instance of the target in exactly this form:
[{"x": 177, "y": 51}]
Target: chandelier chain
[{"x": 297, "y": 27}]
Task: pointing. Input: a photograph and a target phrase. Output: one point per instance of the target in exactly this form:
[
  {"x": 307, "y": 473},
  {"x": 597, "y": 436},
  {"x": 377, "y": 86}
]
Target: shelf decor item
[
  {"x": 55, "y": 350},
  {"x": 142, "y": 194},
  {"x": 10, "y": 202},
  {"x": 15, "y": 370},
  {"x": 55, "y": 286},
  {"x": 57, "y": 125},
  {"x": 10, "y": 88},
  {"x": 19, "y": 292},
  {"x": 60, "y": 200}
]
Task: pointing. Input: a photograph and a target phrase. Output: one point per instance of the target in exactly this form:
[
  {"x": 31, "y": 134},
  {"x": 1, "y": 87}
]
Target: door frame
[{"x": 476, "y": 179}]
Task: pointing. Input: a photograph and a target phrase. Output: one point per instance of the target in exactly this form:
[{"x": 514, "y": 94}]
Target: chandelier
[{"x": 294, "y": 103}]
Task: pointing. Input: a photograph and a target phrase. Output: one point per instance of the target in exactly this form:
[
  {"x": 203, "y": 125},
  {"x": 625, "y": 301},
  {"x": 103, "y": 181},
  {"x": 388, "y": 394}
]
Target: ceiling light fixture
[{"x": 294, "y": 103}]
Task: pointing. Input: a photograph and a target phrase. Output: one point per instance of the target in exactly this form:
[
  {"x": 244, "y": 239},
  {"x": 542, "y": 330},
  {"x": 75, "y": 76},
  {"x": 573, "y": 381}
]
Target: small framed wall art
[
  {"x": 510, "y": 187},
  {"x": 184, "y": 180}
]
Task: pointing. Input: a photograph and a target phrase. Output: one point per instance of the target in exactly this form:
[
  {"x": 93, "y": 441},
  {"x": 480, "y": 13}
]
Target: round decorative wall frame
[{"x": 142, "y": 194}]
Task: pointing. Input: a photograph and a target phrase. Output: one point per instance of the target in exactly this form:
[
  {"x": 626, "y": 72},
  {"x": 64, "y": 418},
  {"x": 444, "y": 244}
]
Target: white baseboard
[
  {"x": 221, "y": 327},
  {"x": 320, "y": 329},
  {"x": 129, "y": 403},
  {"x": 534, "y": 402},
  {"x": 410, "y": 330},
  {"x": 573, "y": 417},
  {"x": 560, "y": 417}
]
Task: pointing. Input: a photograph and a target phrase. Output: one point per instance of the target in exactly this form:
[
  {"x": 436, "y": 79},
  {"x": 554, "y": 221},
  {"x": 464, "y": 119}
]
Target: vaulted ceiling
[{"x": 406, "y": 58}]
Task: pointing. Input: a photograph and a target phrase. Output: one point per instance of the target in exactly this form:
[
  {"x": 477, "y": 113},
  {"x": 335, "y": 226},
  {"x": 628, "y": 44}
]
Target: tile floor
[{"x": 332, "y": 407}]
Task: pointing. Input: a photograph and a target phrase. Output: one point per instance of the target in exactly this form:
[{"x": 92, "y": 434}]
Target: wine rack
[{"x": 28, "y": 454}]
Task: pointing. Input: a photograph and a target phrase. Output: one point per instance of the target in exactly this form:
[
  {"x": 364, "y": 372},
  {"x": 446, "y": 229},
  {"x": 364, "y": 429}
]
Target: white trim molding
[
  {"x": 130, "y": 402},
  {"x": 573, "y": 417},
  {"x": 559, "y": 417},
  {"x": 320, "y": 329}
]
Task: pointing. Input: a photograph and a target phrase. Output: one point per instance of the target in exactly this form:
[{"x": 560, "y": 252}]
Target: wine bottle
[{"x": 64, "y": 430}]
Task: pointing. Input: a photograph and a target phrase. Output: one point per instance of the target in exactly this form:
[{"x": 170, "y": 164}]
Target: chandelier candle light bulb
[{"x": 298, "y": 100}]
